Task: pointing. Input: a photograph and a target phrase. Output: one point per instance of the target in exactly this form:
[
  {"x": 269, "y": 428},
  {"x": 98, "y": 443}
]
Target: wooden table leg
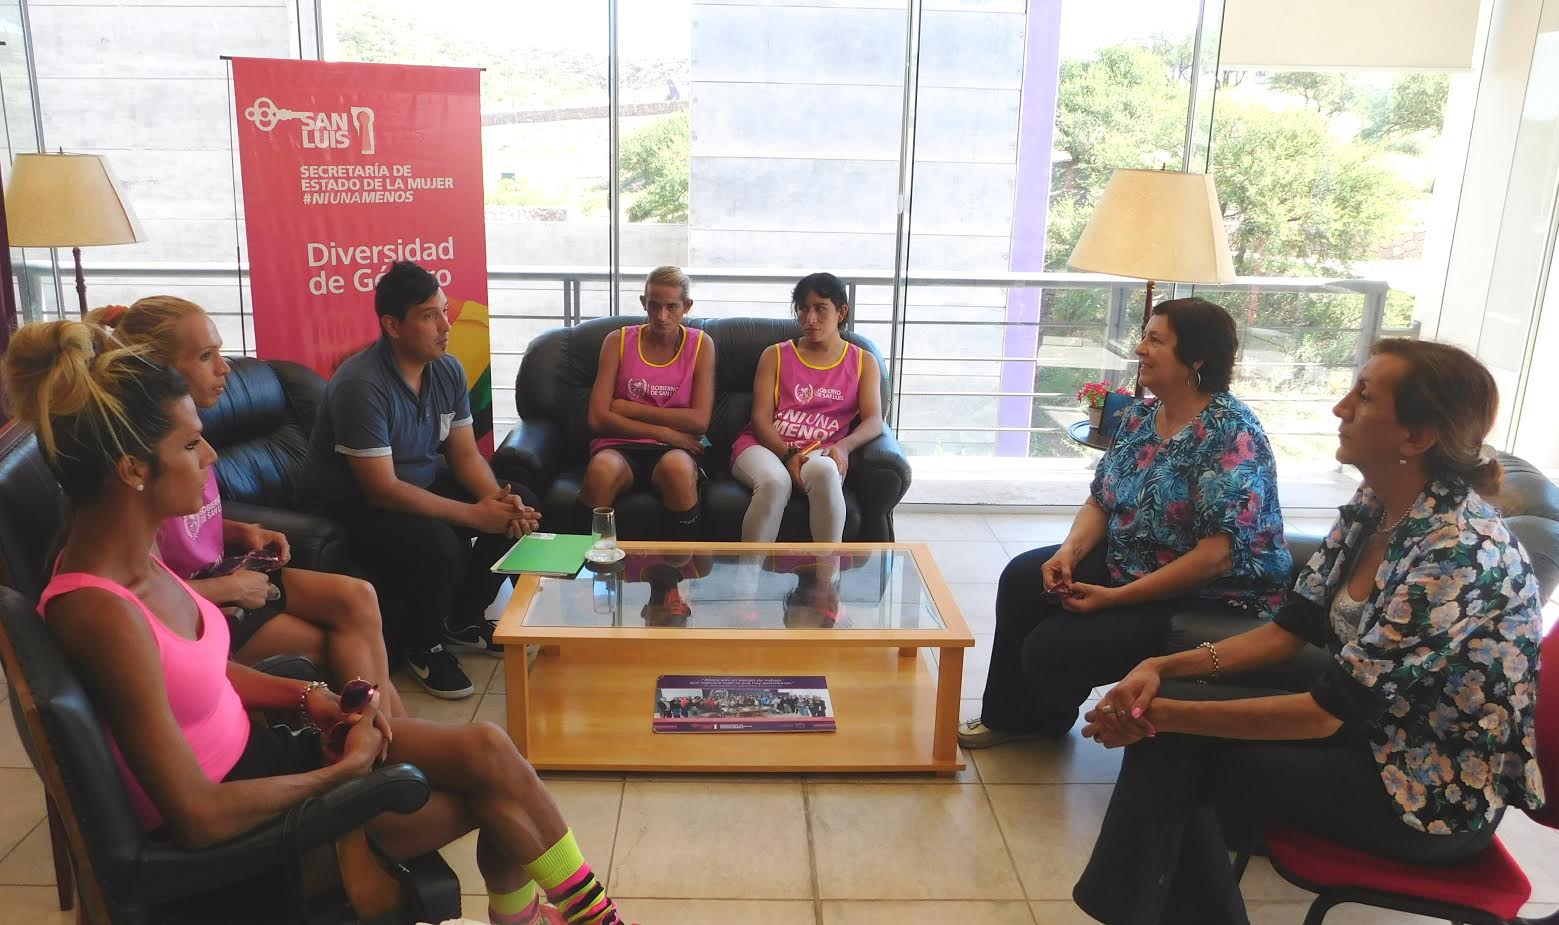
[
  {"x": 517, "y": 684},
  {"x": 949, "y": 684},
  {"x": 907, "y": 651}
]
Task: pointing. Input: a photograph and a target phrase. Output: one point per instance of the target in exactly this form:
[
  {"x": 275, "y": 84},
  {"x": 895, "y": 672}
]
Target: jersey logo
[
  {"x": 803, "y": 393},
  {"x": 637, "y": 387}
]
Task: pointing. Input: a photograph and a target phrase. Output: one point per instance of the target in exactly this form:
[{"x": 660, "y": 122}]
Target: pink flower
[{"x": 1244, "y": 451}]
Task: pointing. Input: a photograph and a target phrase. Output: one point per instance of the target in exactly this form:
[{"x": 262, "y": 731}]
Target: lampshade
[
  {"x": 67, "y": 200},
  {"x": 1161, "y": 225}
]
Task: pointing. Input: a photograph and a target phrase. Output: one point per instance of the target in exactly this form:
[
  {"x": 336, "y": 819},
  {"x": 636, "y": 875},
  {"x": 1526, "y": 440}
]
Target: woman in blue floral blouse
[
  {"x": 1418, "y": 733},
  {"x": 1183, "y": 506}
]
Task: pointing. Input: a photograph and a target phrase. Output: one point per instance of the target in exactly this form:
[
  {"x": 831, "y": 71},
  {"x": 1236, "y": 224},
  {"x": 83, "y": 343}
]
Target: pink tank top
[
  {"x": 811, "y": 403},
  {"x": 204, "y": 703},
  {"x": 638, "y": 380},
  {"x": 190, "y": 543}
]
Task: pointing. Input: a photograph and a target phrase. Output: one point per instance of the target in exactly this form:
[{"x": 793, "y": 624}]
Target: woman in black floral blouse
[{"x": 1419, "y": 733}]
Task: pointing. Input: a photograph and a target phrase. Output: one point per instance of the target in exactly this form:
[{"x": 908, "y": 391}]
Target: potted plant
[{"x": 1091, "y": 395}]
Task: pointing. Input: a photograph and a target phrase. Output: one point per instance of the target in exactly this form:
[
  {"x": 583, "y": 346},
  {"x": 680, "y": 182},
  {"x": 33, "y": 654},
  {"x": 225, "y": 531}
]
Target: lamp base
[{"x": 1147, "y": 313}]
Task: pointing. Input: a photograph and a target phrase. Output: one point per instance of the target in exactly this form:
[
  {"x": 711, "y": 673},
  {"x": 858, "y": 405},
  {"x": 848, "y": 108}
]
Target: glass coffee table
[{"x": 858, "y": 614}]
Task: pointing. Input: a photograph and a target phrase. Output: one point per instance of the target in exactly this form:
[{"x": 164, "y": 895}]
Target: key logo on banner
[
  {"x": 318, "y": 129},
  {"x": 348, "y": 168}
]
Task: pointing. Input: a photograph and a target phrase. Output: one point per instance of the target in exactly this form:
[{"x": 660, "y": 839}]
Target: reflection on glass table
[{"x": 855, "y": 590}]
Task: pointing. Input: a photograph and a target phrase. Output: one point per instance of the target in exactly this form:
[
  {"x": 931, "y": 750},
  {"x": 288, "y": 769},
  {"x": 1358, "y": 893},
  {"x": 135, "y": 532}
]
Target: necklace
[{"x": 1393, "y": 528}]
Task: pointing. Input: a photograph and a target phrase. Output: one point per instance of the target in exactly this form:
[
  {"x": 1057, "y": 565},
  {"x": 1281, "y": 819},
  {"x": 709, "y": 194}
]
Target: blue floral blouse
[
  {"x": 1443, "y": 674},
  {"x": 1216, "y": 475}
]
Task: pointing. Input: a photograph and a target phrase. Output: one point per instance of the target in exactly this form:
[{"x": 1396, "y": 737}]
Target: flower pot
[{"x": 1095, "y": 417}]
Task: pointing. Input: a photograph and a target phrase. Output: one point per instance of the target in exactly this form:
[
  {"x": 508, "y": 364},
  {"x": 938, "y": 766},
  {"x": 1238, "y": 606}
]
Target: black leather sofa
[
  {"x": 260, "y": 429},
  {"x": 549, "y": 448}
]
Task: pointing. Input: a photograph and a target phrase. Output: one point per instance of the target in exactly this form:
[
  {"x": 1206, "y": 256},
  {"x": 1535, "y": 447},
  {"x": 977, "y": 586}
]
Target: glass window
[{"x": 545, "y": 150}]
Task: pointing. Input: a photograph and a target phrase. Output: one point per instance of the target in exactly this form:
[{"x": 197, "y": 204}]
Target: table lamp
[
  {"x": 1156, "y": 225},
  {"x": 68, "y": 200}
]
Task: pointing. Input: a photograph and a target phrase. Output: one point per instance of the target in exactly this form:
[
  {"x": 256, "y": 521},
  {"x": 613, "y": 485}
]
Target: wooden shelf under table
[
  {"x": 588, "y": 702},
  {"x": 589, "y": 706}
]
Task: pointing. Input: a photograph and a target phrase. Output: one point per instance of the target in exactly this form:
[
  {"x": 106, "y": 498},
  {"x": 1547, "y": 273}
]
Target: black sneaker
[
  {"x": 440, "y": 674},
  {"x": 478, "y": 638}
]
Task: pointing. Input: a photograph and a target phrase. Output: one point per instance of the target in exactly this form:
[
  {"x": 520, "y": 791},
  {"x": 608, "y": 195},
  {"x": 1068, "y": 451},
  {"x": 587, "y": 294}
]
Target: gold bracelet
[
  {"x": 303, "y": 700},
  {"x": 1213, "y": 651}
]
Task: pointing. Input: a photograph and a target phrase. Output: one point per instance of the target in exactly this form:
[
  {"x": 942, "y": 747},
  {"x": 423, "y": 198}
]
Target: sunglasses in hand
[{"x": 354, "y": 699}]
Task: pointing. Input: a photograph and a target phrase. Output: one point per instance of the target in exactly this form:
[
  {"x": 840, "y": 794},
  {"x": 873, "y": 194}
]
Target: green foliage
[
  {"x": 1329, "y": 94},
  {"x": 1415, "y": 103},
  {"x": 1298, "y": 200},
  {"x": 656, "y": 163},
  {"x": 1120, "y": 109}
]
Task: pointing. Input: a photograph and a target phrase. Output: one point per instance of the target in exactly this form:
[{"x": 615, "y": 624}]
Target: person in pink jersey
[
  {"x": 654, "y": 391},
  {"x": 121, "y": 434},
  {"x": 331, "y": 619},
  {"x": 815, "y": 399}
]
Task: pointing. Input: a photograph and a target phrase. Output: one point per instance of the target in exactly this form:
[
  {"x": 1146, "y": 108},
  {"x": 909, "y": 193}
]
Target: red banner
[{"x": 348, "y": 168}]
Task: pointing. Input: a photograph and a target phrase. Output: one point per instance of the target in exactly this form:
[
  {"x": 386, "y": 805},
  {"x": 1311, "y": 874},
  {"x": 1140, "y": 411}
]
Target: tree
[
  {"x": 1297, "y": 199},
  {"x": 1415, "y": 103},
  {"x": 1330, "y": 94},
  {"x": 656, "y": 163}
]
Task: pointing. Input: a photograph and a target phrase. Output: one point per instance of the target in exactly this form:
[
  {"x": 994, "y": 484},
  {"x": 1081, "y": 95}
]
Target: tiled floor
[{"x": 1000, "y": 844}]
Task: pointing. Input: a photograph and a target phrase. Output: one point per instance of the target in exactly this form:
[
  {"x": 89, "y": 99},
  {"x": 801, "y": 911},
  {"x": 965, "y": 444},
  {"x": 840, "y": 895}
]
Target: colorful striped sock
[
  {"x": 563, "y": 874},
  {"x": 521, "y": 907}
]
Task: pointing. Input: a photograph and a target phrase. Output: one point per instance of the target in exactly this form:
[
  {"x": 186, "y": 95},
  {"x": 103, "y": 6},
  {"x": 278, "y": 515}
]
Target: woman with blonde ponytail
[
  {"x": 121, "y": 433},
  {"x": 332, "y": 619}
]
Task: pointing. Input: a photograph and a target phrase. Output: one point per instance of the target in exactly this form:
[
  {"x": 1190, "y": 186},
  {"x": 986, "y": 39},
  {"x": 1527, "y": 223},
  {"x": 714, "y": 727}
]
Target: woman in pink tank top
[
  {"x": 649, "y": 407},
  {"x": 333, "y": 620},
  {"x": 122, "y": 436},
  {"x": 815, "y": 399}
]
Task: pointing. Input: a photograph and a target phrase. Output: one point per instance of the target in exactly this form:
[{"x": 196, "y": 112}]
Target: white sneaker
[{"x": 974, "y": 734}]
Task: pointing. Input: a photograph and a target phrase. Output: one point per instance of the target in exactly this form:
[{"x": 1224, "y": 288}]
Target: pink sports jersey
[
  {"x": 812, "y": 403},
  {"x": 668, "y": 385},
  {"x": 210, "y": 715},
  {"x": 192, "y": 542}
]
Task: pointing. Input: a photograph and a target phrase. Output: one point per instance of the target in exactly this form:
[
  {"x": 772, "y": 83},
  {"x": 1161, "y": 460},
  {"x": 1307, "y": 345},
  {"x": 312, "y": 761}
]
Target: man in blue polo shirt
[{"x": 390, "y": 411}]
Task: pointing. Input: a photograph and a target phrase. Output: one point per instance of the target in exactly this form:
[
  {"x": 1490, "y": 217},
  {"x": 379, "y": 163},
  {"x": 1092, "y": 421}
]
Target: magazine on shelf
[{"x": 702, "y": 703}]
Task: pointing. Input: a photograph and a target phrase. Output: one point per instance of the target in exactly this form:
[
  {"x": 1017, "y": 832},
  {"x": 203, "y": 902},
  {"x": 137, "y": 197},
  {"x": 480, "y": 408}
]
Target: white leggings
[{"x": 761, "y": 471}]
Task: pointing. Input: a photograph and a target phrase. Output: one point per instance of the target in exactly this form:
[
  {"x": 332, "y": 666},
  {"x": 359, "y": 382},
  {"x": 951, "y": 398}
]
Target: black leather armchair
[
  {"x": 549, "y": 448},
  {"x": 1527, "y": 499},
  {"x": 124, "y": 876},
  {"x": 260, "y": 429}
]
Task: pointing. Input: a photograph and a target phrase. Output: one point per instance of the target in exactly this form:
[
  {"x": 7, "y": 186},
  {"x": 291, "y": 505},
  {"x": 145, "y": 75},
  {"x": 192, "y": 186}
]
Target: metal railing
[{"x": 584, "y": 292}]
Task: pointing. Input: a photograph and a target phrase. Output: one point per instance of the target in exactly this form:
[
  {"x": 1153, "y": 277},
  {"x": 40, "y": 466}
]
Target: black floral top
[{"x": 1443, "y": 673}]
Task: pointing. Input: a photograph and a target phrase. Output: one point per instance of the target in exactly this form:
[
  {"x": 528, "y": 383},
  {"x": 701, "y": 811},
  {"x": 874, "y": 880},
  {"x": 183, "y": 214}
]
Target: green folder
[{"x": 557, "y": 554}]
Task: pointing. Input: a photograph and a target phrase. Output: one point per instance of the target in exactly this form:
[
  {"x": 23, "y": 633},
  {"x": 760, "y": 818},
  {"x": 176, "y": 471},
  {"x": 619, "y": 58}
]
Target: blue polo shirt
[{"x": 369, "y": 410}]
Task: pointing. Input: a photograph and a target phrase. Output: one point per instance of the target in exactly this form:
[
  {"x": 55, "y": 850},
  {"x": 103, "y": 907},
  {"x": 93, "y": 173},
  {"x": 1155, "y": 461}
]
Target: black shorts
[
  {"x": 243, "y": 627},
  {"x": 276, "y": 750},
  {"x": 642, "y": 458}
]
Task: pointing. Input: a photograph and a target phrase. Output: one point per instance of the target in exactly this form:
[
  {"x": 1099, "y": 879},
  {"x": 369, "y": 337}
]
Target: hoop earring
[{"x": 1198, "y": 384}]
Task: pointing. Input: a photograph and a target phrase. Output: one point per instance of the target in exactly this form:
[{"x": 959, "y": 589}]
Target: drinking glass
[{"x": 603, "y": 524}]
